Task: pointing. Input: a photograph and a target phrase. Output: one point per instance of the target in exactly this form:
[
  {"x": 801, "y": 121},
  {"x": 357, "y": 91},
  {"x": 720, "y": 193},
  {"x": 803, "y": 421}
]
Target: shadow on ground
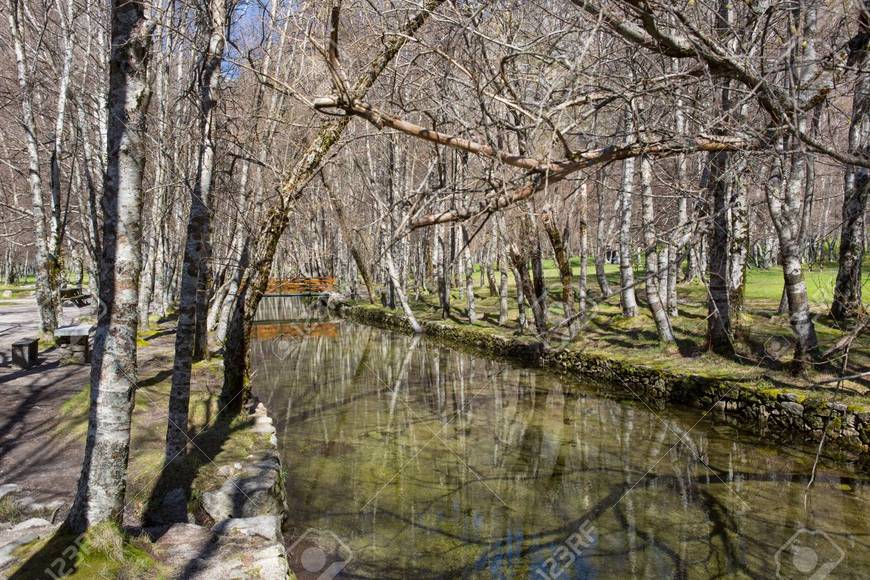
[{"x": 62, "y": 554}]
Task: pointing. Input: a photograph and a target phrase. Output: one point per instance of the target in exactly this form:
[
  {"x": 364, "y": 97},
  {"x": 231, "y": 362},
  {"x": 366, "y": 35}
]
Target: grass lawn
[{"x": 764, "y": 342}]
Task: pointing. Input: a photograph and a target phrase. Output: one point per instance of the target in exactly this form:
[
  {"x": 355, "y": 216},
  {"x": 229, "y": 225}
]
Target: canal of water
[{"x": 408, "y": 459}]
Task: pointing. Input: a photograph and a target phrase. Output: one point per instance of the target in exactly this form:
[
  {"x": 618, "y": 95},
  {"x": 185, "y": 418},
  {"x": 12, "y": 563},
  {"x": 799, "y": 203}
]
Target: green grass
[
  {"x": 635, "y": 339},
  {"x": 25, "y": 281},
  {"x": 104, "y": 551},
  {"x": 24, "y": 285}
]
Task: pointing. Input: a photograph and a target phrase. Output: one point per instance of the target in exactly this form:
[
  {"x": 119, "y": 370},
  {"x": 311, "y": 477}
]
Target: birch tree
[
  {"x": 102, "y": 484},
  {"x": 49, "y": 265},
  {"x": 653, "y": 295},
  {"x": 847, "y": 291},
  {"x": 190, "y": 340}
]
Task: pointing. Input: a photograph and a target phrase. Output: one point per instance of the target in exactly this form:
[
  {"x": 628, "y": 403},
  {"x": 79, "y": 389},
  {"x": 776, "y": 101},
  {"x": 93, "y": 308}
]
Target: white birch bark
[
  {"x": 847, "y": 302},
  {"x": 582, "y": 285},
  {"x": 47, "y": 260},
  {"x": 102, "y": 485},
  {"x": 627, "y": 296},
  {"x": 468, "y": 264},
  {"x": 653, "y": 280},
  {"x": 190, "y": 343}
]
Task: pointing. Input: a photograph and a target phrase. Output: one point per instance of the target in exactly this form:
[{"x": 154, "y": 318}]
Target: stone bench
[
  {"x": 25, "y": 352},
  {"x": 76, "y": 338}
]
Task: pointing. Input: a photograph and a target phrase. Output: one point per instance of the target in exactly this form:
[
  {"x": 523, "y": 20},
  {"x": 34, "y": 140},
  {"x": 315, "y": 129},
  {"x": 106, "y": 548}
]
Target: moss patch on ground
[
  {"x": 764, "y": 344},
  {"x": 104, "y": 551}
]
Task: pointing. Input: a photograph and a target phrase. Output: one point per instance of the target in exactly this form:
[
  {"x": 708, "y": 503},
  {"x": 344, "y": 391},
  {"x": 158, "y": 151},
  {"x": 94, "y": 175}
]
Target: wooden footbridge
[
  {"x": 300, "y": 286},
  {"x": 285, "y": 315},
  {"x": 294, "y": 330}
]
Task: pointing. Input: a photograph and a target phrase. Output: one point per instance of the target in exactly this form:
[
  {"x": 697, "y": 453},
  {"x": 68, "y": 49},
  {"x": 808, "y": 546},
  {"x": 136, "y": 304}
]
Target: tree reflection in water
[{"x": 429, "y": 462}]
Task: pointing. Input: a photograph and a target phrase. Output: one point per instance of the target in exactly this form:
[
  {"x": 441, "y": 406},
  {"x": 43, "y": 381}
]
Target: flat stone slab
[
  {"x": 24, "y": 533},
  {"x": 191, "y": 551},
  {"x": 8, "y": 488},
  {"x": 253, "y": 491},
  {"x": 75, "y": 330},
  {"x": 268, "y": 527}
]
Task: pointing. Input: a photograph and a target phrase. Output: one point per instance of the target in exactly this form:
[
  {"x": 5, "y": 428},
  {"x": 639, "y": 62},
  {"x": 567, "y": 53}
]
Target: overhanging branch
[{"x": 662, "y": 148}]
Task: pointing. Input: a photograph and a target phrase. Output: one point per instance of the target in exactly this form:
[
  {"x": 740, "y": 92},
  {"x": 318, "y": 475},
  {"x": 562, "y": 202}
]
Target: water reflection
[{"x": 431, "y": 463}]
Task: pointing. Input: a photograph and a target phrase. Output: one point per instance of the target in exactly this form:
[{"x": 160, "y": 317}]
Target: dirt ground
[
  {"x": 32, "y": 454},
  {"x": 43, "y": 421},
  {"x": 42, "y": 441}
]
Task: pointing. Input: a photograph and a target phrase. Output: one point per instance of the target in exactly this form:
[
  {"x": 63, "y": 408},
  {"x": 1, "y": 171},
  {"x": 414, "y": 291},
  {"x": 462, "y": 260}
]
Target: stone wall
[
  {"x": 752, "y": 405},
  {"x": 238, "y": 529}
]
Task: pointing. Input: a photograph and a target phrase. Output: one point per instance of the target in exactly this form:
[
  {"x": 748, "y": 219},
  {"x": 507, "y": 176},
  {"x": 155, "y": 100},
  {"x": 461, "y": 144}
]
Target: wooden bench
[{"x": 77, "y": 339}]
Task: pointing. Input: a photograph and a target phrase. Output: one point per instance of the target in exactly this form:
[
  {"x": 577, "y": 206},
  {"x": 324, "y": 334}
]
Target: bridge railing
[{"x": 314, "y": 285}]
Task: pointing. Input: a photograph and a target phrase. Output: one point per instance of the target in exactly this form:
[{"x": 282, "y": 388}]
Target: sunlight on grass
[{"x": 635, "y": 341}]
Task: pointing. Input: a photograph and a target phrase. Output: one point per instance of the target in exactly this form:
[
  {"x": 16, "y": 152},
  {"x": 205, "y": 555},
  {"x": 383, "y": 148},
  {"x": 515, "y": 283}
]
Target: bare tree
[
  {"x": 653, "y": 295},
  {"x": 847, "y": 291},
  {"x": 191, "y": 342},
  {"x": 48, "y": 235},
  {"x": 101, "y": 487}
]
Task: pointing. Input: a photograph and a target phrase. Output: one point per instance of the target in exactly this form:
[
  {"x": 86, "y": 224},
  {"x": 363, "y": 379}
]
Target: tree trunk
[
  {"x": 847, "y": 291},
  {"x": 442, "y": 269},
  {"x": 582, "y": 286},
  {"x": 718, "y": 300},
  {"x": 562, "y": 260},
  {"x": 524, "y": 282},
  {"x": 739, "y": 223},
  {"x": 101, "y": 487},
  {"x": 784, "y": 202},
  {"x": 502, "y": 290},
  {"x": 539, "y": 296},
  {"x": 500, "y": 244},
  {"x": 653, "y": 296},
  {"x": 627, "y": 297},
  {"x": 190, "y": 345},
  {"x": 681, "y": 234},
  {"x": 719, "y": 336},
  {"x": 469, "y": 275},
  {"x": 48, "y": 264},
  {"x": 354, "y": 244},
  {"x": 398, "y": 287},
  {"x": 787, "y": 209},
  {"x": 521, "y": 302},
  {"x": 220, "y": 297}
]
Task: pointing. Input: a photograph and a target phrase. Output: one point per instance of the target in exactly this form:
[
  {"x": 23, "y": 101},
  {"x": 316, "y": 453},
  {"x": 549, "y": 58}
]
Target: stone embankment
[
  {"x": 239, "y": 529},
  {"x": 753, "y": 405}
]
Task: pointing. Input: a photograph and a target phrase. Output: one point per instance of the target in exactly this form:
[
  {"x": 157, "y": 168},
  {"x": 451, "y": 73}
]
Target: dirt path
[{"x": 32, "y": 454}]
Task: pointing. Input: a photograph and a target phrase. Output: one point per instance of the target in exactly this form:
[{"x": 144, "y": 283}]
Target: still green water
[{"x": 406, "y": 459}]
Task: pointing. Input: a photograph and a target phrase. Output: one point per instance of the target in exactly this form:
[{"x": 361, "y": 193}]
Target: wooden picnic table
[{"x": 76, "y": 295}]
